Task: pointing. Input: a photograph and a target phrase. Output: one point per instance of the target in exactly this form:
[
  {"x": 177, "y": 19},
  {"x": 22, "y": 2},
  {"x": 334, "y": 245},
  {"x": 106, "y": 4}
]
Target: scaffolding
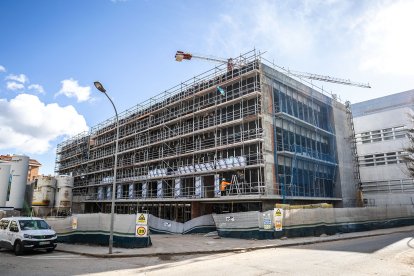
[
  {"x": 174, "y": 144},
  {"x": 175, "y": 148}
]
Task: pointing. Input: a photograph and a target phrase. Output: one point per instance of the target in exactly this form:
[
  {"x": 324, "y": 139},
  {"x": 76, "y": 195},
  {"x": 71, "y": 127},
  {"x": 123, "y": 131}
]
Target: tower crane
[{"x": 180, "y": 56}]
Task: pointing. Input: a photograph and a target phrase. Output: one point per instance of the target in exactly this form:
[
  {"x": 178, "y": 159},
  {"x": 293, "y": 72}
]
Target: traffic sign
[{"x": 141, "y": 231}]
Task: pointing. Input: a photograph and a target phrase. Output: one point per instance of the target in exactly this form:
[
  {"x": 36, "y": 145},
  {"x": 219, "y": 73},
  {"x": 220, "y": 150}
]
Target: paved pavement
[{"x": 201, "y": 244}]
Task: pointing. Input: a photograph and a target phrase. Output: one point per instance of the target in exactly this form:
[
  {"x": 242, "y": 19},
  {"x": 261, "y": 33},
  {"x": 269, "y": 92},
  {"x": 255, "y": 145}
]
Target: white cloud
[
  {"x": 70, "y": 88},
  {"x": 36, "y": 87},
  {"x": 2, "y": 69},
  {"x": 19, "y": 78},
  {"x": 387, "y": 41},
  {"x": 29, "y": 125},
  {"x": 365, "y": 41},
  {"x": 11, "y": 85}
]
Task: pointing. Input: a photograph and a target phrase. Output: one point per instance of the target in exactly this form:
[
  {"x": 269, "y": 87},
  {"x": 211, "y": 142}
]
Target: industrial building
[
  {"x": 34, "y": 166},
  {"x": 381, "y": 126},
  {"x": 235, "y": 138},
  {"x": 13, "y": 182}
]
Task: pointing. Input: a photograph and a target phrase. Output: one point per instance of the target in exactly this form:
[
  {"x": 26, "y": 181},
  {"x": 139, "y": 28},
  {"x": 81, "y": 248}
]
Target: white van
[{"x": 26, "y": 233}]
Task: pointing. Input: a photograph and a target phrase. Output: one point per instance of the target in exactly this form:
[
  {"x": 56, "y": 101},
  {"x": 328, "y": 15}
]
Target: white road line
[{"x": 59, "y": 257}]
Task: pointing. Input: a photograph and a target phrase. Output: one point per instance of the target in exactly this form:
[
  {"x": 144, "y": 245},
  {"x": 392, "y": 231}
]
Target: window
[
  {"x": 4, "y": 224},
  {"x": 381, "y": 135},
  {"x": 33, "y": 224},
  {"x": 13, "y": 227}
]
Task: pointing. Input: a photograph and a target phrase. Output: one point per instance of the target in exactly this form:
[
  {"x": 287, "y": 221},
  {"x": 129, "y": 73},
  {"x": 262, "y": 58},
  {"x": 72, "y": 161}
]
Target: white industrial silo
[
  {"x": 64, "y": 186},
  {"x": 4, "y": 182},
  {"x": 19, "y": 170},
  {"x": 44, "y": 192}
]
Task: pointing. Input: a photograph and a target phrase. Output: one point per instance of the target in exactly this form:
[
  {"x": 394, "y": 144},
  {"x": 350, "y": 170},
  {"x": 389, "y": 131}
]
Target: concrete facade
[{"x": 380, "y": 131}]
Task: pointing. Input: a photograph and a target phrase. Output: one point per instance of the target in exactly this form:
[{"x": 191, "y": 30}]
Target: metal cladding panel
[
  {"x": 100, "y": 193},
  {"x": 131, "y": 189},
  {"x": 4, "y": 182},
  {"x": 19, "y": 171}
]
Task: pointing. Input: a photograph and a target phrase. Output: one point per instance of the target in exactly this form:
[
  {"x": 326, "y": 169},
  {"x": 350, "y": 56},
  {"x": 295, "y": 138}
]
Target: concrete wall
[
  {"x": 348, "y": 185},
  {"x": 268, "y": 144}
]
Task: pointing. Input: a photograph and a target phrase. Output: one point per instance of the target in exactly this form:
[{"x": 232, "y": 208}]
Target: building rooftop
[
  {"x": 398, "y": 100},
  {"x": 32, "y": 162}
]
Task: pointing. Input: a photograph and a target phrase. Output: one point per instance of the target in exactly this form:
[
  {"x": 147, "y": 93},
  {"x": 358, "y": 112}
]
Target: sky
[{"x": 51, "y": 52}]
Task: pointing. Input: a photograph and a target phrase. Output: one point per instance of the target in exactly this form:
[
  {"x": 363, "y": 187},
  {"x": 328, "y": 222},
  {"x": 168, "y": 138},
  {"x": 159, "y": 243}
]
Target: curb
[{"x": 235, "y": 250}]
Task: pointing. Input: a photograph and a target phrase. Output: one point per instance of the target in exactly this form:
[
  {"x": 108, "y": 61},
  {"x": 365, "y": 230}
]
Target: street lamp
[{"x": 100, "y": 87}]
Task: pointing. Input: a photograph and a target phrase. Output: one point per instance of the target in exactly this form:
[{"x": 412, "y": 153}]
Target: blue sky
[{"x": 52, "y": 51}]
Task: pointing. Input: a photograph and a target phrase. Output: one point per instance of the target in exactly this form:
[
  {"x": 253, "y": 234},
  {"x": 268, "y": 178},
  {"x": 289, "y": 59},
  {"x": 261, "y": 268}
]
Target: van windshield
[{"x": 33, "y": 224}]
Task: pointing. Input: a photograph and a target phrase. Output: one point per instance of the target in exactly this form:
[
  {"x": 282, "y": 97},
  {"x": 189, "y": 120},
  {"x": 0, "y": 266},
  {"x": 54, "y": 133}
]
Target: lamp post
[{"x": 100, "y": 87}]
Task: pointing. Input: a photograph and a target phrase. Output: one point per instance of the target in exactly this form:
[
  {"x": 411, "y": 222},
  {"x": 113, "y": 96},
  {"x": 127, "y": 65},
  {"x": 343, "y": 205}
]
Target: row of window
[
  {"x": 381, "y": 135},
  {"x": 305, "y": 178},
  {"x": 291, "y": 102},
  {"x": 382, "y": 159}
]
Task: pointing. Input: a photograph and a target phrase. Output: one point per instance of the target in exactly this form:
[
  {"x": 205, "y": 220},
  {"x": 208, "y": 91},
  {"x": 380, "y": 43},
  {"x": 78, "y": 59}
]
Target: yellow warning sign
[
  {"x": 278, "y": 219},
  {"x": 142, "y": 219},
  {"x": 74, "y": 223},
  {"x": 141, "y": 231}
]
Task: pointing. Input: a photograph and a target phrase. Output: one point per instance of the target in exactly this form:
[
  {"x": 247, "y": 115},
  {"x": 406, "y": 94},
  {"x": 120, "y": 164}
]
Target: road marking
[{"x": 55, "y": 257}]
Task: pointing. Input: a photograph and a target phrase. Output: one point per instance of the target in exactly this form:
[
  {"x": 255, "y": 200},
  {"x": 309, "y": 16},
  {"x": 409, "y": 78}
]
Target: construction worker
[{"x": 224, "y": 183}]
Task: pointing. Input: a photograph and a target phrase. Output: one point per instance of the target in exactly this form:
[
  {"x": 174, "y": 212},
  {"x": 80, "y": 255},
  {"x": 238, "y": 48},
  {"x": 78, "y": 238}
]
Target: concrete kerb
[{"x": 287, "y": 243}]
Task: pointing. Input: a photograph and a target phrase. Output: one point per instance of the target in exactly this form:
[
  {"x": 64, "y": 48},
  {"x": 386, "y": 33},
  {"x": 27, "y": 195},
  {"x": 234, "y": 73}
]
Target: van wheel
[
  {"x": 50, "y": 250},
  {"x": 18, "y": 250}
]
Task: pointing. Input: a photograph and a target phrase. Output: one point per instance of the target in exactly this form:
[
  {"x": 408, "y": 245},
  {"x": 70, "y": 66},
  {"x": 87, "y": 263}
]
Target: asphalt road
[{"x": 381, "y": 255}]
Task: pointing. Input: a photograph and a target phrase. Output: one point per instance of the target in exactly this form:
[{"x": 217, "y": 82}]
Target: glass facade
[{"x": 304, "y": 142}]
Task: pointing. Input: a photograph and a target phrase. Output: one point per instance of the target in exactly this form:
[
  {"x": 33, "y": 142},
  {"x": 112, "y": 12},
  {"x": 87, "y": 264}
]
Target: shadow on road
[{"x": 362, "y": 245}]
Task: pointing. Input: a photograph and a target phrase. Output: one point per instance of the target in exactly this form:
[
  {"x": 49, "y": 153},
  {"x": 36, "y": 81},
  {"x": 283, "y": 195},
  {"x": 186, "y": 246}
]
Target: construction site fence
[
  {"x": 95, "y": 229},
  {"x": 312, "y": 222}
]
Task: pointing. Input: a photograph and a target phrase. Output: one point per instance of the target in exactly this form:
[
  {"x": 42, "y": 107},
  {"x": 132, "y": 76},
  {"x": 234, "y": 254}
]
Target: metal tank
[
  {"x": 64, "y": 187},
  {"x": 44, "y": 192},
  {"x": 4, "y": 182},
  {"x": 19, "y": 170}
]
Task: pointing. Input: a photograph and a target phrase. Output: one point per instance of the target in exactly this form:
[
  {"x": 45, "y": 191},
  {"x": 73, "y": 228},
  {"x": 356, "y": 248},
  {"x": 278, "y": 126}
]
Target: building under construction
[{"x": 232, "y": 139}]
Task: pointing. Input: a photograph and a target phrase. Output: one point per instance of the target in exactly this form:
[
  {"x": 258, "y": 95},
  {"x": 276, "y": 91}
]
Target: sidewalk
[{"x": 199, "y": 244}]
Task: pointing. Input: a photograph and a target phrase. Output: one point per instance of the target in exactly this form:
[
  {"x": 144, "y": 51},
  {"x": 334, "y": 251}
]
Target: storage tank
[
  {"x": 44, "y": 192},
  {"x": 4, "y": 182},
  {"x": 19, "y": 170},
  {"x": 64, "y": 187}
]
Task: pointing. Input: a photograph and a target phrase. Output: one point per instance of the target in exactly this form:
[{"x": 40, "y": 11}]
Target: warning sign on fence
[
  {"x": 142, "y": 219},
  {"x": 141, "y": 230},
  {"x": 141, "y": 225},
  {"x": 74, "y": 223},
  {"x": 278, "y": 219}
]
